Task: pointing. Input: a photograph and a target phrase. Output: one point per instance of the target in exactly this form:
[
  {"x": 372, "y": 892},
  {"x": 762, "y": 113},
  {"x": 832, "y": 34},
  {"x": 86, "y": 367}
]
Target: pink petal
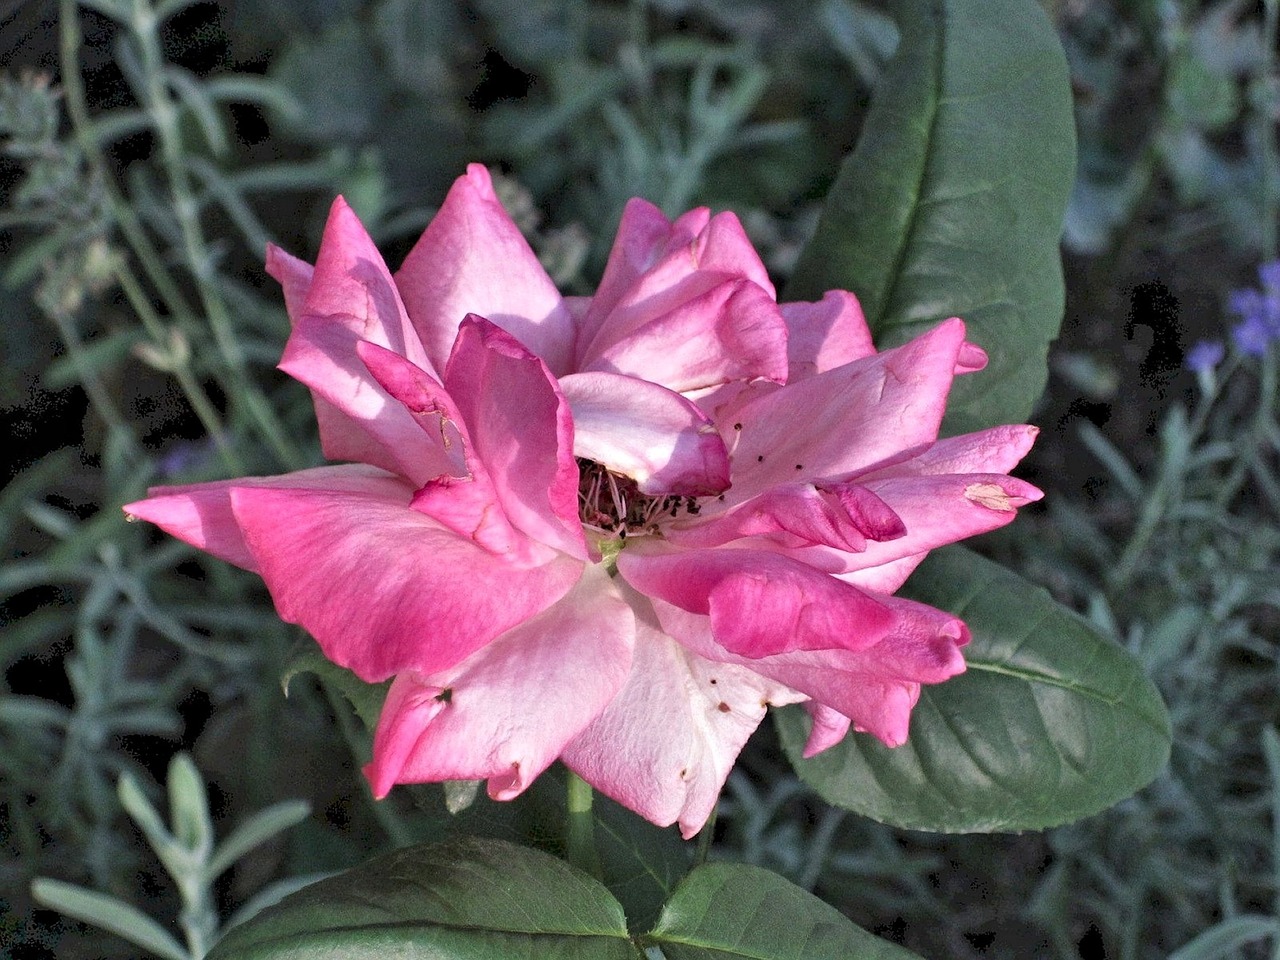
[
  {"x": 293, "y": 275},
  {"x": 824, "y": 335},
  {"x": 759, "y": 603},
  {"x": 996, "y": 450},
  {"x": 846, "y": 420},
  {"x": 666, "y": 743},
  {"x": 347, "y": 298},
  {"x": 839, "y": 515},
  {"x": 733, "y": 331},
  {"x": 650, "y": 274},
  {"x": 646, "y": 432},
  {"x": 383, "y": 588},
  {"x": 875, "y": 686},
  {"x": 200, "y": 513},
  {"x": 521, "y": 430},
  {"x": 358, "y": 419},
  {"x": 473, "y": 259},
  {"x": 464, "y": 499},
  {"x": 507, "y": 711},
  {"x": 829, "y": 728}
]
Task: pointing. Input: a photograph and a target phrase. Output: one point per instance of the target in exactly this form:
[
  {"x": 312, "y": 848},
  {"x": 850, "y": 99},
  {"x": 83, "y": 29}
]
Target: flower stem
[{"x": 580, "y": 828}]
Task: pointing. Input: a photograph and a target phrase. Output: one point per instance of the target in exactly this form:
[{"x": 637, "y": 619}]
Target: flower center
[{"x": 613, "y": 506}]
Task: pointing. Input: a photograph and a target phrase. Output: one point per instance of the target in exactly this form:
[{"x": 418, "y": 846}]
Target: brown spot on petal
[
  {"x": 445, "y": 695},
  {"x": 988, "y": 495},
  {"x": 723, "y": 707}
]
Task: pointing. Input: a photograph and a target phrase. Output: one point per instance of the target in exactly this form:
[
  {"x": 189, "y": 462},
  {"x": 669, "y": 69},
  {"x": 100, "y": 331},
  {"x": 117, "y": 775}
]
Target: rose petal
[
  {"x": 844, "y": 421},
  {"x": 824, "y": 335},
  {"x": 759, "y": 603},
  {"x": 840, "y": 515},
  {"x": 383, "y": 588},
  {"x": 665, "y": 744},
  {"x": 646, "y": 432},
  {"x": 473, "y": 259},
  {"x": 200, "y": 513},
  {"x": 733, "y": 331},
  {"x": 521, "y": 429},
  {"x": 507, "y": 711}
]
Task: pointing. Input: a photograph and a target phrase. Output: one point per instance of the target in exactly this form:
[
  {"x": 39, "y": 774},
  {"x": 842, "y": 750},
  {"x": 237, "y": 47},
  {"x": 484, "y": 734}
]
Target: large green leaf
[
  {"x": 725, "y": 910},
  {"x": 469, "y": 899},
  {"x": 952, "y": 202},
  {"x": 1051, "y": 722}
]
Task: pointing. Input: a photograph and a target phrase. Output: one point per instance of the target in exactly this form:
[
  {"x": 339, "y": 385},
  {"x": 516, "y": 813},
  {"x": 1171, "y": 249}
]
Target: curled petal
[
  {"x": 473, "y": 259},
  {"x": 383, "y": 588},
  {"x": 521, "y": 430},
  {"x": 293, "y": 275},
  {"x": 733, "y": 331},
  {"x": 507, "y": 711},
  {"x": 995, "y": 450},
  {"x": 200, "y": 513},
  {"x": 829, "y": 728},
  {"x": 665, "y": 744},
  {"x": 759, "y": 603},
  {"x": 824, "y": 335},
  {"x": 646, "y": 432},
  {"x": 839, "y": 515}
]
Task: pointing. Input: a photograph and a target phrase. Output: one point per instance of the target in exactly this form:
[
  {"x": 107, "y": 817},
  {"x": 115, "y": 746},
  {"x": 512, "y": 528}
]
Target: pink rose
[{"x": 609, "y": 530}]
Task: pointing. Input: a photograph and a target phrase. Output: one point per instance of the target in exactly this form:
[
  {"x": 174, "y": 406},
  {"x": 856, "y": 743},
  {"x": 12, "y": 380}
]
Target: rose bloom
[{"x": 614, "y": 529}]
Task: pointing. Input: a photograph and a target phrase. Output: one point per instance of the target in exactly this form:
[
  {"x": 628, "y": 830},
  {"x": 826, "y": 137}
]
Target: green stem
[{"x": 580, "y": 828}]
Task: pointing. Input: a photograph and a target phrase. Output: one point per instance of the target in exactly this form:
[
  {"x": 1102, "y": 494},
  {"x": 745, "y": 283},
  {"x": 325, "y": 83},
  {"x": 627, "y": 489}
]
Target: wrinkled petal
[
  {"x": 875, "y": 686},
  {"x": 839, "y": 515},
  {"x": 650, "y": 274},
  {"x": 200, "y": 513},
  {"x": 383, "y": 588},
  {"x": 733, "y": 331},
  {"x": 824, "y": 335},
  {"x": 759, "y": 603},
  {"x": 666, "y": 743},
  {"x": 473, "y": 259},
  {"x": 846, "y": 420},
  {"x": 521, "y": 429},
  {"x": 507, "y": 711},
  {"x": 646, "y": 432}
]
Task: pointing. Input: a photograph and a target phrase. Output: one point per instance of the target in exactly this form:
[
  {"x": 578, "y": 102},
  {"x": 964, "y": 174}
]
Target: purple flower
[{"x": 1205, "y": 355}]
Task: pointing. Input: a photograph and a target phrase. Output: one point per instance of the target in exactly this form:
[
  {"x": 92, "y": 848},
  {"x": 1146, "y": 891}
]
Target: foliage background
[{"x": 130, "y": 361}]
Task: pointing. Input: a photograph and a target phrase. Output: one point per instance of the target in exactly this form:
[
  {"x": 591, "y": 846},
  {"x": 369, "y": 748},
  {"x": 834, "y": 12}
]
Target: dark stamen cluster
[{"x": 613, "y": 504}]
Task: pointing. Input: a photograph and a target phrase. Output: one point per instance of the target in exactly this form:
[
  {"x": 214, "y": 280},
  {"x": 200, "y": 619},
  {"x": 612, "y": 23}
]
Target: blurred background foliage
[{"x": 152, "y": 147}]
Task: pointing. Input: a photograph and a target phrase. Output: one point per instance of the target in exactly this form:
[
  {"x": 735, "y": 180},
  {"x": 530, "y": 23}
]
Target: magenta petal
[
  {"x": 829, "y": 728},
  {"x": 847, "y": 420},
  {"x": 646, "y": 432},
  {"x": 507, "y": 711},
  {"x": 843, "y": 516},
  {"x": 473, "y": 259},
  {"x": 665, "y": 744},
  {"x": 824, "y": 335},
  {"x": 760, "y": 603},
  {"x": 650, "y": 274},
  {"x": 383, "y": 588},
  {"x": 200, "y": 513},
  {"x": 733, "y": 331},
  {"x": 521, "y": 430},
  {"x": 293, "y": 275},
  {"x": 995, "y": 450}
]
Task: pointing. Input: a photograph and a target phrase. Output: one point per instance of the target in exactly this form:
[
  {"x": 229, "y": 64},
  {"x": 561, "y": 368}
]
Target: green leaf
[
  {"x": 122, "y": 919},
  {"x": 952, "y": 202},
  {"x": 1051, "y": 722},
  {"x": 725, "y": 910},
  {"x": 366, "y": 698},
  {"x": 468, "y": 899}
]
